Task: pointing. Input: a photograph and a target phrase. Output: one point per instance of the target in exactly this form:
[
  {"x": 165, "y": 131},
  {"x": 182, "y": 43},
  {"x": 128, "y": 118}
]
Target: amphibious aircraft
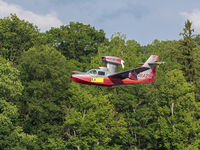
[{"x": 106, "y": 76}]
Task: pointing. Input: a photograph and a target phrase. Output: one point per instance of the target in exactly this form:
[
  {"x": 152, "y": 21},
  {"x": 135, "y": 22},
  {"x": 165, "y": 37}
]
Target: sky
[{"x": 140, "y": 20}]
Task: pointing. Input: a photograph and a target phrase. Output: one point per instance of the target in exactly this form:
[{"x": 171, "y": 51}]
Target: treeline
[{"x": 41, "y": 108}]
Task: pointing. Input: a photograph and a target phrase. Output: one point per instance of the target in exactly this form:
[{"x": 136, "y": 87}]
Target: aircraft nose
[{"x": 74, "y": 77}]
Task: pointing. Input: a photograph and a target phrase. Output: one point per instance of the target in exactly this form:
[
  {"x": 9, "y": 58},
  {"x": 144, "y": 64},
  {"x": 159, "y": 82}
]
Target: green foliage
[
  {"x": 45, "y": 74},
  {"x": 188, "y": 57},
  {"x": 43, "y": 63},
  {"x": 16, "y": 36},
  {"x": 76, "y": 41},
  {"x": 56, "y": 143},
  {"x": 40, "y": 108},
  {"x": 167, "y": 51},
  {"x": 91, "y": 122},
  {"x": 10, "y": 85},
  {"x": 176, "y": 107},
  {"x": 188, "y": 52},
  {"x": 11, "y": 135},
  {"x": 130, "y": 51}
]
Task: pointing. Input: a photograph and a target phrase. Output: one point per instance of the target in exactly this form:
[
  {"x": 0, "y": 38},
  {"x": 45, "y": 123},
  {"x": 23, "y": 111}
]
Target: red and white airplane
[{"x": 106, "y": 76}]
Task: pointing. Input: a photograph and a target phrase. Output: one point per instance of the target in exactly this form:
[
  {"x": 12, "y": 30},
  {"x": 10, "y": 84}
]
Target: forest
[{"x": 41, "y": 108}]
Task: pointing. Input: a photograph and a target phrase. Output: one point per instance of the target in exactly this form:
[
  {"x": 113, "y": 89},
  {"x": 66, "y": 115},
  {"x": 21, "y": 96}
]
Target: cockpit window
[
  {"x": 93, "y": 71},
  {"x": 101, "y": 73}
]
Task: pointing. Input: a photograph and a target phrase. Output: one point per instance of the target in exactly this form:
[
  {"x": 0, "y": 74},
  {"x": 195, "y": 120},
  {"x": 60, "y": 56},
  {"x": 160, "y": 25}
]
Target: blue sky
[{"x": 140, "y": 20}]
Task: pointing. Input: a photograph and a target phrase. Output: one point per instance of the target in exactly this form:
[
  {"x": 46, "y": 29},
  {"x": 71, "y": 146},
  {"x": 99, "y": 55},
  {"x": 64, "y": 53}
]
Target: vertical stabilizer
[
  {"x": 152, "y": 59},
  {"x": 149, "y": 74}
]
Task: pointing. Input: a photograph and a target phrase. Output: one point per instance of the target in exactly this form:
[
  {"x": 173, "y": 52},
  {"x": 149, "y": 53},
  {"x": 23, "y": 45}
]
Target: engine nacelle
[{"x": 112, "y": 62}]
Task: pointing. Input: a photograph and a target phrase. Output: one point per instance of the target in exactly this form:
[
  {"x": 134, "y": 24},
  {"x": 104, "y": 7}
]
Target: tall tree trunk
[
  {"x": 78, "y": 147},
  {"x": 172, "y": 108}
]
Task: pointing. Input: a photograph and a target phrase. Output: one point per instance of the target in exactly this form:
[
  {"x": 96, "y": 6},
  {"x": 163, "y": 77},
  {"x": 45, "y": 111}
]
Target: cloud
[
  {"x": 44, "y": 22},
  {"x": 194, "y": 17}
]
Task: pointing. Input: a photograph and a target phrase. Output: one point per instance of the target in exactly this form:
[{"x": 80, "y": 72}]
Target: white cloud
[
  {"x": 194, "y": 17},
  {"x": 44, "y": 22}
]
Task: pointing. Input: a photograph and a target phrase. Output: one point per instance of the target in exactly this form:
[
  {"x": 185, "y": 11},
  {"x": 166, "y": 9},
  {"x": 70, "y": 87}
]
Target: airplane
[{"x": 106, "y": 76}]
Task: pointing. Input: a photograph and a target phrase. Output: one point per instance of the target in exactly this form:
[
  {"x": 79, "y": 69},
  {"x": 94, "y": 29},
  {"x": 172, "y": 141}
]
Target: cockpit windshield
[{"x": 92, "y": 71}]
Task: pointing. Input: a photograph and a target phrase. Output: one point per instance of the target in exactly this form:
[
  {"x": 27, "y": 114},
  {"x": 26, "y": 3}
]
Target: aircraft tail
[{"x": 148, "y": 75}]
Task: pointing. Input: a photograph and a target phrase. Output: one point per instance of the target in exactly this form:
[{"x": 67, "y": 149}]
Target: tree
[
  {"x": 187, "y": 55},
  {"x": 10, "y": 84},
  {"x": 16, "y": 36},
  {"x": 12, "y": 135},
  {"x": 76, "y": 41},
  {"x": 91, "y": 121},
  {"x": 177, "y": 127},
  {"x": 134, "y": 102},
  {"x": 45, "y": 73}
]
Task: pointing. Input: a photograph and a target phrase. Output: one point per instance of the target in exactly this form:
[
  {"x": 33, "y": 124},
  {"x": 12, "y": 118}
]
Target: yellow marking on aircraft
[{"x": 97, "y": 79}]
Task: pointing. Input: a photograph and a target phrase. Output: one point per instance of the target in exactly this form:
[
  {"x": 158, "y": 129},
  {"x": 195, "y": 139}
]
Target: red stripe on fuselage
[{"x": 108, "y": 81}]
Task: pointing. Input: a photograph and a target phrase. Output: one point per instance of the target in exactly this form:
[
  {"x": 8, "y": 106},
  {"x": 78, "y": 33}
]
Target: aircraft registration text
[{"x": 97, "y": 79}]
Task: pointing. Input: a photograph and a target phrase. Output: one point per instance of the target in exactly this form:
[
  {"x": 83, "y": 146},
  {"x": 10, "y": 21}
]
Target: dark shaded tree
[
  {"x": 12, "y": 135},
  {"x": 76, "y": 41},
  {"x": 188, "y": 53},
  {"x": 45, "y": 74}
]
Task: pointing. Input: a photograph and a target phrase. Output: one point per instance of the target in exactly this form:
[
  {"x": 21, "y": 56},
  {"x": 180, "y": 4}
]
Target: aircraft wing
[{"x": 124, "y": 74}]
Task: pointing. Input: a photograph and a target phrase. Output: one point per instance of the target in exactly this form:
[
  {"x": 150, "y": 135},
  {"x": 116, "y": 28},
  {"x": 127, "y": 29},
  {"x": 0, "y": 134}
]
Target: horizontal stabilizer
[{"x": 154, "y": 63}]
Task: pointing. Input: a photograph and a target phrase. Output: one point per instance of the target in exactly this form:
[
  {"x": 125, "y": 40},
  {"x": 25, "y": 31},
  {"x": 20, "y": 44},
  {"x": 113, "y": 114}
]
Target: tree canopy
[{"x": 41, "y": 108}]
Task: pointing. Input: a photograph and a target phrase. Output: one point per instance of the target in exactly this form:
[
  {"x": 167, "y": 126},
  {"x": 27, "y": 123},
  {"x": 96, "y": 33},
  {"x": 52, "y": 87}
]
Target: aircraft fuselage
[{"x": 105, "y": 81}]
